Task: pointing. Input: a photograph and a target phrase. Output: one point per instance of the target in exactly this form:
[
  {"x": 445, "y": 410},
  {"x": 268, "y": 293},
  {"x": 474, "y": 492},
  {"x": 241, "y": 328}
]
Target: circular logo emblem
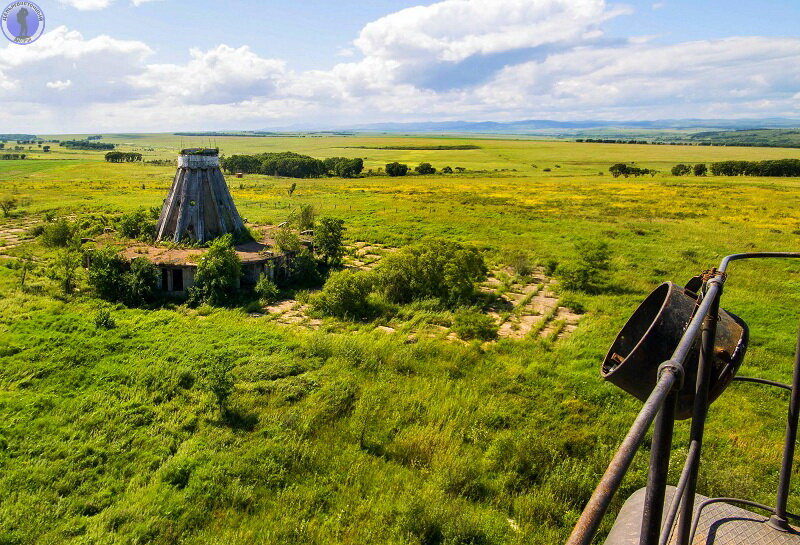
[{"x": 22, "y": 22}]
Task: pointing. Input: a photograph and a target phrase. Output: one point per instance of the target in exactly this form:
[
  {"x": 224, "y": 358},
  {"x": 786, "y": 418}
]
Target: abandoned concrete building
[{"x": 200, "y": 208}]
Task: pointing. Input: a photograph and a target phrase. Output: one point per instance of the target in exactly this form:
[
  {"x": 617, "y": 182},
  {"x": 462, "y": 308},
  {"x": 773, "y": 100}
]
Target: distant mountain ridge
[{"x": 546, "y": 124}]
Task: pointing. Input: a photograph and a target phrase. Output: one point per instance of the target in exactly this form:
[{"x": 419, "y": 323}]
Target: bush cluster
[
  {"x": 139, "y": 224},
  {"x": 114, "y": 279},
  {"x": 218, "y": 273},
  {"x": 434, "y": 269}
]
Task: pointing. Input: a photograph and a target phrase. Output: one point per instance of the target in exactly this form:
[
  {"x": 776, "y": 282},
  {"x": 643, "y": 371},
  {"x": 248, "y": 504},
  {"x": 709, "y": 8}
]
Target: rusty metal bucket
[{"x": 651, "y": 336}]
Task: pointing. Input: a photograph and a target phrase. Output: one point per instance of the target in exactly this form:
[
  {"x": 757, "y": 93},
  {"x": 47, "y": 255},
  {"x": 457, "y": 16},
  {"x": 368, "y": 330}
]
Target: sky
[{"x": 166, "y": 65}]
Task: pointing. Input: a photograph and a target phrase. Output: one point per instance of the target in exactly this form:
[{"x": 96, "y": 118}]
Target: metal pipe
[
  {"x": 657, "y": 475},
  {"x": 597, "y": 506},
  {"x": 763, "y": 381},
  {"x": 672, "y": 514},
  {"x": 778, "y": 520},
  {"x": 705, "y": 365}
]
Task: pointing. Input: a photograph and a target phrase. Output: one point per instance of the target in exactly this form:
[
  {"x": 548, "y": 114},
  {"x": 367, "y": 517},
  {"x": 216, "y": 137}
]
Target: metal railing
[{"x": 660, "y": 407}]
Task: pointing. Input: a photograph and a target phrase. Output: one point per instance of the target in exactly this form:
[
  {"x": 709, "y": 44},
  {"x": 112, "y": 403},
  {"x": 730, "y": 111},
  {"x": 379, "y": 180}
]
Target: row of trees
[
  {"x": 778, "y": 168},
  {"x": 700, "y": 169},
  {"x": 123, "y": 157},
  {"x": 86, "y": 145},
  {"x": 293, "y": 165},
  {"x": 622, "y": 169},
  {"x": 12, "y": 156},
  {"x": 400, "y": 169}
]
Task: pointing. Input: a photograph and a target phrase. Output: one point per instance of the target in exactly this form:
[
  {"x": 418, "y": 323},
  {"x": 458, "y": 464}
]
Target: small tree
[
  {"x": 681, "y": 170},
  {"x": 218, "y": 273},
  {"x": 64, "y": 269},
  {"x": 305, "y": 220},
  {"x": 700, "y": 169},
  {"x": 447, "y": 170},
  {"x": 25, "y": 264},
  {"x": 287, "y": 240},
  {"x": 425, "y": 168},
  {"x": 329, "y": 240},
  {"x": 266, "y": 289},
  {"x": 8, "y": 204},
  {"x": 219, "y": 380},
  {"x": 396, "y": 169}
]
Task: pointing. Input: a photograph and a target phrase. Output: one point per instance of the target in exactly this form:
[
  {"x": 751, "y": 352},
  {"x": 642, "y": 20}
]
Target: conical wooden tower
[{"x": 199, "y": 206}]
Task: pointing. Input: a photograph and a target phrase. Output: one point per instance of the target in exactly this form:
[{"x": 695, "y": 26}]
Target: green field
[{"x": 348, "y": 434}]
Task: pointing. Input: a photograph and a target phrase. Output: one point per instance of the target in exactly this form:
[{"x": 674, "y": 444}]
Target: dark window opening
[
  {"x": 165, "y": 279},
  {"x": 177, "y": 280}
]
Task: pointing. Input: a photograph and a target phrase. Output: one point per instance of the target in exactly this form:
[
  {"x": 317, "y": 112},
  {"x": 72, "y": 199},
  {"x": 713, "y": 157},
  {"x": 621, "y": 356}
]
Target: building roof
[{"x": 251, "y": 253}]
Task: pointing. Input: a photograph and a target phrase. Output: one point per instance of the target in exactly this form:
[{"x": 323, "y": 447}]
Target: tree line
[
  {"x": 86, "y": 145},
  {"x": 621, "y": 169},
  {"x": 12, "y": 156},
  {"x": 293, "y": 165},
  {"x": 775, "y": 167},
  {"x": 123, "y": 157}
]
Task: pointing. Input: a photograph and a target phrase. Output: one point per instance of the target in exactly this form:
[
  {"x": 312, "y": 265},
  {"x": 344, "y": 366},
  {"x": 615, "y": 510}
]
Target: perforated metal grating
[{"x": 720, "y": 524}]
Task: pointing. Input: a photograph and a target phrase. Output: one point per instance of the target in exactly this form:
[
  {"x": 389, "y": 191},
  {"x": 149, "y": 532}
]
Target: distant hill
[
  {"x": 17, "y": 137},
  {"x": 778, "y": 138},
  {"x": 539, "y": 125}
]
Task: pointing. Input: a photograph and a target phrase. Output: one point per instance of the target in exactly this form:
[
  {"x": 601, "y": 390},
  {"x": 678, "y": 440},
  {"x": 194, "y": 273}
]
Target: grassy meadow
[{"x": 349, "y": 434}]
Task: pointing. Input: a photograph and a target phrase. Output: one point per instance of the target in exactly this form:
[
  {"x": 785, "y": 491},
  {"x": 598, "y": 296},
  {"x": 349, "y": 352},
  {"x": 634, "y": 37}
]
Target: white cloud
[
  {"x": 96, "y": 69},
  {"x": 59, "y": 85},
  {"x": 92, "y": 5},
  {"x": 218, "y": 76},
  {"x": 456, "y": 59},
  {"x": 87, "y": 5},
  {"x": 658, "y": 5}
]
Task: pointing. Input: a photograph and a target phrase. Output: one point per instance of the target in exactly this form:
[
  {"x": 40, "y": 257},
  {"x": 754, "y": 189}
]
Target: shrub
[
  {"x": 140, "y": 282},
  {"x": 346, "y": 295},
  {"x": 447, "y": 170},
  {"x": 266, "y": 289},
  {"x": 116, "y": 280},
  {"x": 138, "y": 224},
  {"x": 473, "y": 324},
  {"x": 433, "y": 269},
  {"x": 303, "y": 270},
  {"x": 700, "y": 169},
  {"x": 64, "y": 269},
  {"x": 103, "y": 319},
  {"x": 287, "y": 241},
  {"x": 396, "y": 169},
  {"x": 329, "y": 240},
  {"x": 521, "y": 263},
  {"x": 589, "y": 273},
  {"x": 219, "y": 380},
  {"x": 424, "y": 168},
  {"x": 59, "y": 234},
  {"x": 218, "y": 273},
  {"x": 8, "y": 204}
]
